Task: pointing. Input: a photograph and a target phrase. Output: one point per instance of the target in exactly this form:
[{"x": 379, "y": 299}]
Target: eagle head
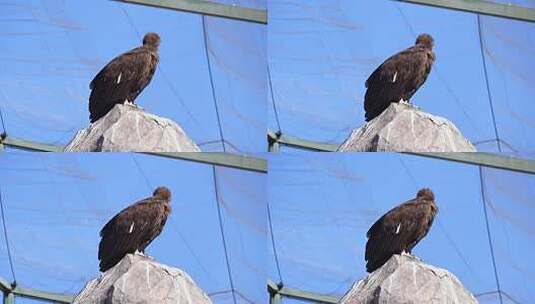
[
  {"x": 426, "y": 194},
  {"x": 425, "y": 40},
  {"x": 151, "y": 40},
  {"x": 162, "y": 193}
]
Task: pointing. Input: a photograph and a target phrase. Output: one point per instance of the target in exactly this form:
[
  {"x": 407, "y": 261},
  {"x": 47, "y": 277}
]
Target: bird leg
[{"x": 132, "y": 104}]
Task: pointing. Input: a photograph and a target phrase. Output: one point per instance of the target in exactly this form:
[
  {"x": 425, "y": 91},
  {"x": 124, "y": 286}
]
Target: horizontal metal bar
[
  {"x": 482, "y": 7},
  {"x": 8, "y": 290},
  {"x": 297, "y": 294},
  {"x": 473, "y": 158},
  {"x": 213, "y": 158},
  {"x": 291, "y": 141},
  {"x": 207, "y": 8},
  {"x": 18, "y": 143},
  {"x": 42, "y": 295},
  {"x": 219, "y": 159},
  {"x": 485, "y": 159}
]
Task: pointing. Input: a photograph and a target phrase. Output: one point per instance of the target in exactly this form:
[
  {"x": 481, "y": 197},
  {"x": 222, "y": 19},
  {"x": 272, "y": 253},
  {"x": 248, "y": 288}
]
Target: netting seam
[
  {"x": 9, "y": 256},
  {"x": 205, "y": 35},
  {"x": 273, "y": 243},
  {"x": 273, "y": 100},
  {"x": 498, "y": 141},
  {"x": 483, "y": 200},
  {"x": 216, "y": 189}
]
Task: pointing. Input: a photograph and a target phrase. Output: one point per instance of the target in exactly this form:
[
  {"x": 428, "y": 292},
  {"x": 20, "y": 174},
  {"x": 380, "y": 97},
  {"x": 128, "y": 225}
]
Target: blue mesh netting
[
  {"x": 321, "y": 53},
  {"x": 52, "y": 49},
  {"x": 321, "y": 206},
  {"x": 56, "y": 204}
]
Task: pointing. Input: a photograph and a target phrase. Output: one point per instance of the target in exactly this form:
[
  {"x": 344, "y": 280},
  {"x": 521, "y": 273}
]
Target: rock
[
  {"x": 127, "y": 128},
  {"x": 405, "y": 279},
  {"x": 405, "y": 128},
  {"x": 139, "y": 279}
]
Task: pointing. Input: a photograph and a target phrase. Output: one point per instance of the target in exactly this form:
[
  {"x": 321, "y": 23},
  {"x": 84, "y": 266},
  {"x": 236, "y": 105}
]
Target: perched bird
[
  {"x": 400, "y": 229},
  {"x": 134, "y": 228},
  {"x": 123, "y": 78},
  {"x": 399, "y": 77}
]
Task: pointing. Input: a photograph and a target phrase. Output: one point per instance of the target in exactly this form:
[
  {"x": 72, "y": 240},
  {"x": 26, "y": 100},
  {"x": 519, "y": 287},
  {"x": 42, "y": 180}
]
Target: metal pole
[
  {"x": 9, "y": 298},
  {"x": 275, "y": 298}
]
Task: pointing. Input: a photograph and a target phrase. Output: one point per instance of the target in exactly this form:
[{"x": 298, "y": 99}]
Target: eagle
[
  {"x": 134, "y": 228},
  {"x": 399, "y": 77},
  {"x": 400, "y": 229},
  {"x": 123, "y": 78}
]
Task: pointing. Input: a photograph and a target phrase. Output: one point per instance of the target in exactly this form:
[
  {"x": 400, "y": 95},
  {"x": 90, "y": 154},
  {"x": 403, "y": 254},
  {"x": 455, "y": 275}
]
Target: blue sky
[
  {"x": 321, "y": 53},
  {"x": 323, "y": 204},
  {"x": 57, "y": 203},
  {"x": 52, "y": 49}
]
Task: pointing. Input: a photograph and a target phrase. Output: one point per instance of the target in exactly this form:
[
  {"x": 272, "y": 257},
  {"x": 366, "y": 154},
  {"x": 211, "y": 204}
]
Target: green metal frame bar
[
  {"x": 207, "y": 8},
  {"x": 213, "y": 158},
  {"x": 219, "y": 159},
  {"x": 477, "y": 158},
  {"x": 10, "y": 293},
  {"x": 481, "y": 7},
  {"x": 276, "y": 139},
  {"x": 486, "y": 160},
  {"x": 277, "y": 292}
]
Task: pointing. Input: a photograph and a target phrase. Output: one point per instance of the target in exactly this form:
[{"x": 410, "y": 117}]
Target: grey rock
[
  {"x": 139, "y": 279},
  {"x": 407, "y": 280},
  {"x": 128, "y": 128},
  {"x": 405, "y": 128}
]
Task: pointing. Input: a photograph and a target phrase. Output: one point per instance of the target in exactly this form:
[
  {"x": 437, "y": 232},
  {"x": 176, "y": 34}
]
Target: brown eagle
[
  {"x": 398, "y": 78},
  {"x": 123, "y": 78},
  {"x": 134, "y": 228},
  {"x": 400, "y": 229}
]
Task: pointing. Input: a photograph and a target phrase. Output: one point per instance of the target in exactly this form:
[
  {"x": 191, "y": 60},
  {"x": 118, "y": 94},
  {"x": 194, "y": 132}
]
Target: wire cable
[
  {"x": 220, "y": 217},
  {"x": 149, "y": 185},
  {"x": 205, "y": 35},
  {"x": 273, "y": 244},
  {"x": 9, "y": 256},
  {"x": 4, "y": 131},
  {"x": 498, "y": 141},
  {"x": 273, "y": 100},
  {"x": 483, "y": 200}
]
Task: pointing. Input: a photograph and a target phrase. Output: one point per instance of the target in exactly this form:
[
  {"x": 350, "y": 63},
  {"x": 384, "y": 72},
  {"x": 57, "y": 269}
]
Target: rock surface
[
  {"x": 127, "y": 128},
  {"x": 407, "y": 280},
  {"x": 138, "y": 279},
  {"x": 405, "y": 128}
]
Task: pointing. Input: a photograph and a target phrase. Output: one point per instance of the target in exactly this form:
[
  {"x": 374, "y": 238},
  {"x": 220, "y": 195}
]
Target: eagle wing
[
  {"x": 122, "y": 78},
  {"x": 397, "y": 77},
  {"x": 131, "y": 229}
]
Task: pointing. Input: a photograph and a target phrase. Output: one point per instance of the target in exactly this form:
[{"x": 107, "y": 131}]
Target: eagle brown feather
[
  {"x": 124, "y": 77},
  {"x": 400, "y": 229},
  {"x": 399, "y": 77},
  {"x": 134, "y": 228}
]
